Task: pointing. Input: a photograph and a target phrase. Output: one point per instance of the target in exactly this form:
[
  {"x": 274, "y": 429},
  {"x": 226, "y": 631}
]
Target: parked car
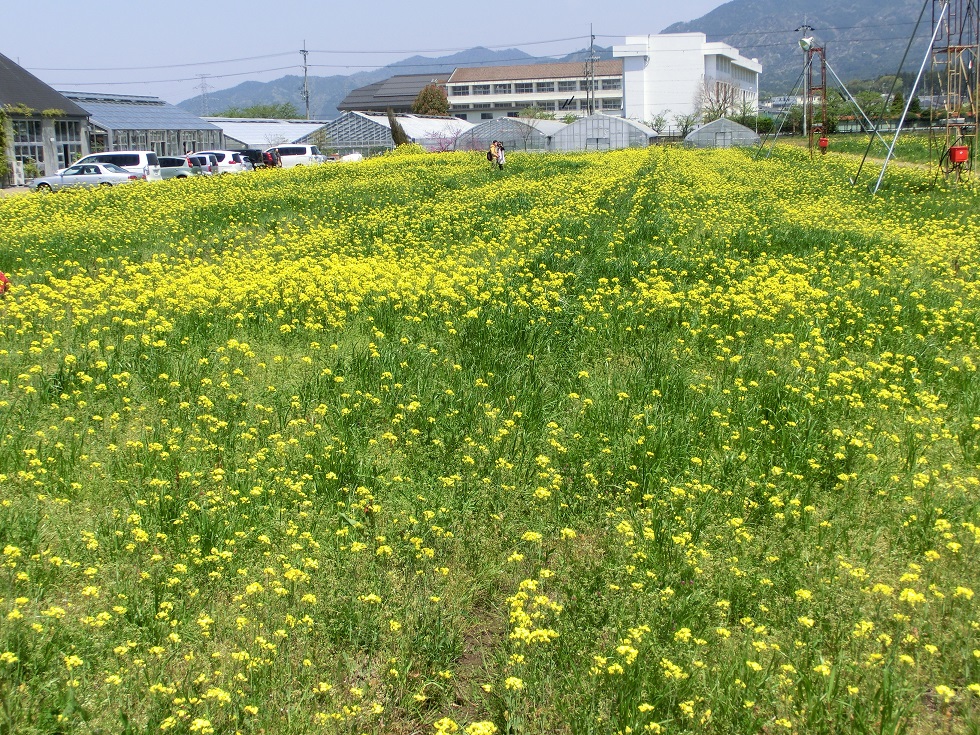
[
  {"x": 297, "y": 155},
  {"x": 142, "y": 163},
  {"x": 85, "y": 174},
  {"x": 247, "y": 163},
  {"x": 178, "y": 167},
  {"x": 271, "y": 158},
  {"x": 229, "y": 162},
  {"x": 207, "y": 161}
]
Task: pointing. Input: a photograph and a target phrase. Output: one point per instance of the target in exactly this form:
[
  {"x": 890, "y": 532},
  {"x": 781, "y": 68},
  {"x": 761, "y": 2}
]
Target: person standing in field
[
  {"x": 501, "y": 156},
  {"x": 492, "y": 153}
]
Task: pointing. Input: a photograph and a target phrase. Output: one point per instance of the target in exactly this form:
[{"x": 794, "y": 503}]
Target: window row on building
[
  {"x": 606, "y": 103},
  {"x": 562, "y": 85}
]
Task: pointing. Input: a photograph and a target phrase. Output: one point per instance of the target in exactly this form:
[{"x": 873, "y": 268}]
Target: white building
[
  {"x": 488, "y": 92},
  {"x": 681, "y": 73}
]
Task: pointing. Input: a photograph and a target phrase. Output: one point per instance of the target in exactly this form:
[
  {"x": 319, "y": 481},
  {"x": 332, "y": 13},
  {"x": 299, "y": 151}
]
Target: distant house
[
  {"x": 397, "y": 92},
  {"x": 44, "y": 130},
  {"x": 242, "y": 132},
  {"x": 722, "y": 133},
  {"x": 370, "y": 132},
  {"x": 129, "y": 122}
]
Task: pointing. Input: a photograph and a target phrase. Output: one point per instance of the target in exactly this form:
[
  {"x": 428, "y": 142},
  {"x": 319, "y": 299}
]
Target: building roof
[
  {"x": 366, "y": 130},
  {"x": 563, "y": 70},
  {"x": 601, "y": 120},
  {"x": 129, "y": 112},
  {"x": 19, "y": 87},
  {"x": 265, "y": 132},
  {"x": 738, "y": 134},
  {"x": 516, "y": 133},
  {"x": 397, "y": 92},
  {"x": 420, "y": 127}
]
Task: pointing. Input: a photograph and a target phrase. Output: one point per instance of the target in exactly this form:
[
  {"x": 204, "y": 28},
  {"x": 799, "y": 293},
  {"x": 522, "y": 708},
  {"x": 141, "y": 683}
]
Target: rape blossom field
[{"x": 652, "y": 441}]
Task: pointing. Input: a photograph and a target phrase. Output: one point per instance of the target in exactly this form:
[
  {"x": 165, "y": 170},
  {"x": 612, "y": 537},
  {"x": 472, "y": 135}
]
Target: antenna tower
[
  {"x": 814, "y": 91},
  {"x": 812, "y": 81},
  {"x": 955, "y": 61},
  {"x": 205, "y": 88}
]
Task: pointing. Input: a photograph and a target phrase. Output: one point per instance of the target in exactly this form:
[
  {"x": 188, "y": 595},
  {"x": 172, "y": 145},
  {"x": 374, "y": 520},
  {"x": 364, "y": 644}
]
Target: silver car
[
  {"x": 85, "y": 174},
  {"x": 178, "y": 167}
]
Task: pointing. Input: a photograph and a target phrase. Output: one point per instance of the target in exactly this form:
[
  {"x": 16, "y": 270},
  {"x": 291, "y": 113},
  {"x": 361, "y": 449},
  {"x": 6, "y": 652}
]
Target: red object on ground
[
  {"x": 959, "y": 154},
  {"x": 4, "y": 283}
]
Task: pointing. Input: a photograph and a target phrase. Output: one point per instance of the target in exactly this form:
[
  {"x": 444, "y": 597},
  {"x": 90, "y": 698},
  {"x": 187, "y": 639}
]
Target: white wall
[{"x": 664, "y": 73}]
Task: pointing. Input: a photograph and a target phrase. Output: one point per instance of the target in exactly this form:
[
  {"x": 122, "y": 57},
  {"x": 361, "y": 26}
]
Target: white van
[
  {"x": 297, "y": 155},
  {"x": 144, "y": 164}
]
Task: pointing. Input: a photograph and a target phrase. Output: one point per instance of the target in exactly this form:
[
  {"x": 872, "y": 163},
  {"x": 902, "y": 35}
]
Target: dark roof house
[
  {"x": 45, "y": 131},
  {"x": 397, "y": 92}
]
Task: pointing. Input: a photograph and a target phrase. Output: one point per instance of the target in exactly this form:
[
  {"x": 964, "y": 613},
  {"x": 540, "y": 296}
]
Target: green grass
[{"x": 654, "y": 440}]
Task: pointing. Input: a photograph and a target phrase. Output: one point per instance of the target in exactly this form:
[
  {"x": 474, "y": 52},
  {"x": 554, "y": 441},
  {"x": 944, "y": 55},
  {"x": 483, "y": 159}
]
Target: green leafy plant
[{"x": 431, "y": 100}]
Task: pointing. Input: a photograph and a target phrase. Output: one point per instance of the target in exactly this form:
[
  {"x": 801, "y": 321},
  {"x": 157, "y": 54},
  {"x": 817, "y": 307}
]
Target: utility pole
[
  {"x": 204, "y": 87},
  {"x": 590, "y": 74},
  {"x": 306, "y": 82}
]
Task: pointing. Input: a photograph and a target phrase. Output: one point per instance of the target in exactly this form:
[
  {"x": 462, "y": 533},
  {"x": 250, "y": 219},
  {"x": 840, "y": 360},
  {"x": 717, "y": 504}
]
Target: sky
[{"x": 170, "y": 49}]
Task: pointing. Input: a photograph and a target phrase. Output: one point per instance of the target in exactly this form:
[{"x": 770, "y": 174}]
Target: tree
[
  {"x": 659, "y": 122},
  {"x": 536, "y": 113},
  {"x": 898, "y": 104},
  {"x": 765, "y": 125},
  {"x": 685, "y": 123},
  {"x": 871, "y": 102},
  {"x": 717, "y": 99},
  {"x": 397, "y": 131},
  {"x": 282, "y": 111},
  {"x": 432, "y": 100}
]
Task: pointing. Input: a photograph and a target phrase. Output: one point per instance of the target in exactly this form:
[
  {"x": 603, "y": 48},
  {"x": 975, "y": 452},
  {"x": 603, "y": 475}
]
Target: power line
[
  {"x": 162, "y": 66},
  {"x": 167, "y": 81},
  {"x": 312, "y": 51},
  {"x": 449, "y": 50},
  {"x": 787, "y": 30},
  {"x": 434, "y": 62}
]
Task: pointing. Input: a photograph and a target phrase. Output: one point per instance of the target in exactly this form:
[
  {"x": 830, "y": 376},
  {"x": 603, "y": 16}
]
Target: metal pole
[
  {"x": 306, "y": 85},
  {"x": 908, "y": 102},
  {"x": 856, "y": 105},
  {"x": 901, "y": 66}
]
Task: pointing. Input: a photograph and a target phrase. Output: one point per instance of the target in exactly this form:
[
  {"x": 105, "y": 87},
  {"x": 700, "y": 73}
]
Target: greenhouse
[
  {"x": 721, "y": 133},
  {"x": 516, "y": 133},
  {"x": 370, "y": 132},
  {"x": 603, "y": 132},
  {"x": 130, "y": 122}
]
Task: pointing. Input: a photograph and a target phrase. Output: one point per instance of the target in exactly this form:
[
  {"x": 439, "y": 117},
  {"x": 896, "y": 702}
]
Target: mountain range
[
  {"x": 861, "y": 41},
  {"x": 328, "y": 92}
]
